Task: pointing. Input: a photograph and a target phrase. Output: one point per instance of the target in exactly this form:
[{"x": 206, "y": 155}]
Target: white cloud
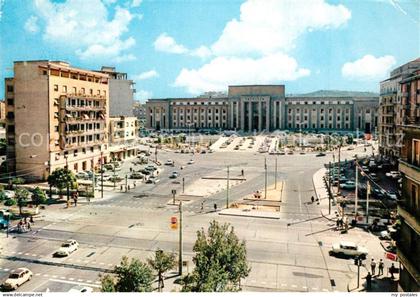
[
  {"x": 146, "y": 75},
  {"x": 202, "y": 52},
  {"x": 368, "y": 68},
  {"x": 136, "y": 3},
  {"x": 165, "y": 43},
  {"x": 89, "y": 31},
  {"x": 270, "y": 26},
  {"x": 222, "y": 71},
  {"x": 31, "y": 24},
  {"x": 109, "y": 2},
  {"x": 143, "y": 95}
]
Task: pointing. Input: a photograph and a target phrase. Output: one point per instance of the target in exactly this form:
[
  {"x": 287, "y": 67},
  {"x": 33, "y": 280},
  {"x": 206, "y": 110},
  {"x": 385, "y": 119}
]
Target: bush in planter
[
  {"x": 18, "y": 181},
  {"x": 10, "y": 202},
  {"x": 3, "y": 196},
  {"x": 38, "y": 197}
]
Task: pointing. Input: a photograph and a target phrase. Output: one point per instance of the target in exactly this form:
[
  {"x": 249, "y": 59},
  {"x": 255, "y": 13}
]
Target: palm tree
[{"x": 162, "y": 263}]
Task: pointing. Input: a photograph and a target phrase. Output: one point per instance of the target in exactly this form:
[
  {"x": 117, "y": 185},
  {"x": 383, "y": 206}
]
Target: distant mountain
[{"x": 335, "y": 93}]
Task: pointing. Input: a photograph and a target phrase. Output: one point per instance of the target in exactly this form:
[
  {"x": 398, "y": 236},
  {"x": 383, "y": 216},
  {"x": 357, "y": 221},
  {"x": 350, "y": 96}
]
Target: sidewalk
[{"x": 382, "y": 283}]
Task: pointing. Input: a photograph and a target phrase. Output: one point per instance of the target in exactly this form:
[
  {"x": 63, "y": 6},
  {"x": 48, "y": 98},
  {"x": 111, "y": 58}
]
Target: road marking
[
  {"x": 34, "y": 255},
  {"x": 20, "y": 253},
  {"x": 102, "y": 263},
  {"x": 37, "y": 274},
  {"x": 284, "y": 285},
  {"x": 74, "y": 283},
  {"x": 325, "y": 290},
  {"x": 71, "y": 278},
  {"x": 109, "y": 264},
  {"x": 304, "y": 287},
  {"x": 26, "y": 254},
  {"x": 294, "y": 286},
  {"x": 45, "y": 275},
  {"x": 97, "y": 282},
  {"x": 79, "y": 280},
  {"x": 6, "y": 269},
  {"x": 54, "y": 276}
]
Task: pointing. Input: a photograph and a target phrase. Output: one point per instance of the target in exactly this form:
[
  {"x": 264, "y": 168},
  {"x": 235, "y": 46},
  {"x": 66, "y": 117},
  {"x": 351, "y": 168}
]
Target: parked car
[
  {"x": 348, "y": 185},
  {"x": 82, "y": 175},
  {"x": 174, "y": 175},
  {"x": 190, "y": 162},
  {"x": 320, "y": 154},
  {"x": 81, "y": 289},
  {"x": 4, "y": 217},
  {"x": 136, "y": 175},
  {"x": 392, "y": 196},
  {"x": 67, "y": 248},
  {"x": 169, "y": 162},
  {"x": 17, "y": 278},
  {"x": 393, "y": 174},
  {"x": 152, "y": 180},
  {"x": 349, "y": 249}
]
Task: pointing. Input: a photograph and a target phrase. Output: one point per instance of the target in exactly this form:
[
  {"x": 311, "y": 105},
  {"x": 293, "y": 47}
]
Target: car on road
[
  {"x": 391, "y": 196},
  {"x": 136, "y": 175},
  {"x": 81, "y": 289},
  {"x": 174, "y": 174},
  {"x": 393, "y": 174},
  {"x": 169, "y": 162},
  {"x": 348, "y": 249},
  {"x": 374, "y": 176},
  {"x": 152, "y": 180},
  {"x": 67, "y": 248},
  {"x": 17, "y": 278},
  {"x": 190, "y": 162},
  {"x": 82, "y": 175},
  {"x": 320, "y": 155},
  {"x": 348, "y": 185}
]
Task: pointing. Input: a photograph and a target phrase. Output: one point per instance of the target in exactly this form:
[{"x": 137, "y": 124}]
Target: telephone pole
[
  {"x": 180, "y": 239},
  {"x": 367, "y": 201},
  {"x": 227, "y": 188},
  {"x": 339, "y": 167},
  {"x": 102, "y": 176},
  {"x": 356, "y": 194}
]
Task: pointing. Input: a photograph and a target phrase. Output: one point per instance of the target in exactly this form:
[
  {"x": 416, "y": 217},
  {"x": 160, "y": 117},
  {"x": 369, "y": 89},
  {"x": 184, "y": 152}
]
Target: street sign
[
  {"x": 391, "y": 256},
  {"x": 174, "y": 223}
]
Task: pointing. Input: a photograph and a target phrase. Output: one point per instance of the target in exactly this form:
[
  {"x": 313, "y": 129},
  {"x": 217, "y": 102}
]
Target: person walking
[
  {"x": 312, "y": 199},
  {"x": 29, "y": 226},
  {"x": 368, "y": 281},
  {"x": 381, "y": 267},
  {"x": 202, "y": 206},
  {"x": 31, "y": 219},
  {"x": 392, "y": 270},
  {"x": 373, "y": 266},
  {"x": 215, "y": 207}
]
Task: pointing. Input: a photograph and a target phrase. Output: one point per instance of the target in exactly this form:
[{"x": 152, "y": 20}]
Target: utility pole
[
  {"x": 68, "y": 186},
  {"x": 93, "y": 184},
  {"x": 275, "y": 175},
  {"x": 156, "y": 152},
  {"x": 227, "y": 188},
  {"x": 183, "y": 185},
  {"x": 367, "y": 201},
  {"x": 339, "y": 167},
  {"x": 102, "y": 176},
  {"x": 115, "y": 178},
  {"x": 356, "y": 194},
  {"x": 180, "y": 239},
  {"x": 265, "y": 168},
  {"x": 126, "y": 183},
  {"x": 329, "y": 188}
]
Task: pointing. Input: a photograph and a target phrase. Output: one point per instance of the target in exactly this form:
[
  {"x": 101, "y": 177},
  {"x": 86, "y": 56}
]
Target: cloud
[
  {"x": 143, "y": 95},
  {"x": 136, "y": 3},
  {"x": 270, "y": 26},
  {"x": 146, "y": 75},
  {"x": 368, "y": 68},
  {"x": 223, "y": 71},
  {"x": 31, "y": 25},
  {"x": 167, "y": 44},
  {"x": 89, "y": 31},
  {"x": 202, "y": 52}
]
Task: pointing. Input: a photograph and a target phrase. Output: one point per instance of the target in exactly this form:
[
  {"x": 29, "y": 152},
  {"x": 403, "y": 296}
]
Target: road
[{"x": 286, "y": 254}]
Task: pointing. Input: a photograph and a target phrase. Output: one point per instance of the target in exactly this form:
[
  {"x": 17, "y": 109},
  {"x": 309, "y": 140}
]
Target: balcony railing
[
  {"x": 83, "y": 119},
  {"x": 84, "y": 107}
]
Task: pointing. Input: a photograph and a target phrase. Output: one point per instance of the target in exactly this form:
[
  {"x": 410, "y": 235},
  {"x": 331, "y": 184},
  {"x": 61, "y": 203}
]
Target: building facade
[
  {"x": 123, "y": 135},
  {"x": 57, "y": 116},
  {"x": 408, "y": 242},
  {"x": 392, "y": 110},
  {"x": 121, "y": 93},
  {"x": 263, "y": 108}
]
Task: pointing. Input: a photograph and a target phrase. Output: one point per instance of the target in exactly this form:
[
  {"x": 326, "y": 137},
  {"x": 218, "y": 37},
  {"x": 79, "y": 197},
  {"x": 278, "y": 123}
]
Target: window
[
  {"x": 74, "y": 90},
  {"x": 56, "y": 128},
  {"x": 64, "y": 89},
  {"x": 322, "y": 118},
  {"x": 91, "y": 91},
  {"x": 416, "y": 152},
  {"x": 98, "y": 92},
  {"x": 10, "y": 88},
  {"x": 82, "y": 90},
  {"x": 104, "y": 93},
  {"x": 11, "y": 129},
  {"x": 56, "y": 88},
  {"x": 10, "y": 115},
  {"x": 44, "y": 72},
  {"x": 10, "y": 101}
]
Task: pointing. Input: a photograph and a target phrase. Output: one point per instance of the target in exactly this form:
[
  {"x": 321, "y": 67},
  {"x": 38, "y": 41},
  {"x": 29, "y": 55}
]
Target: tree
[
  {"x": 220, "y": 261},
  {"x": 133, "y": 276},
  {"x": 21, "y": 195},
  {"x": 62, "y": 178},
  {"x": 162, "y": 263},
  {"x": 38, "y": 197}
]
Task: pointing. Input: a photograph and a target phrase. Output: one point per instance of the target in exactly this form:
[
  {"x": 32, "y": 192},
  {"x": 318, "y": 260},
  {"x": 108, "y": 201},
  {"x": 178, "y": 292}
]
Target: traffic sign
[{"x": 174, "y": 223}]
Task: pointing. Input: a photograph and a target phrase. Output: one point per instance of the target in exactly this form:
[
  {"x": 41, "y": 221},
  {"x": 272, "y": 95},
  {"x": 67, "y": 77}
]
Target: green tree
[
  {"x": 133, "y": 276},
  {"x": 3, "y": 196},
  {"x": 62, "y": 178},
  {"x": 161, "y": 263},
  {"x": 22, "y": 195},
  {"x": 220, "y": 261},
  {"x": 38, "y": 197}
]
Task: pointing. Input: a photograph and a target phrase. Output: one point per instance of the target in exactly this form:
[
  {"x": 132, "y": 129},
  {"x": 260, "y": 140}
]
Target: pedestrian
[
  {"x": 215, "y": 207},
  {"x": 242, "y": 172},
  {"x": 131, "y": 169},
  {"x": 368, "y": 281},
  {"x": 134, "y": 184},
  {"x": 312, "y": 199},
  {"x": 29, "y": 226},
  {"x": 392, "y": 270},
  {"x": 381, "y": 267},
  {"x": 128, "y": 187},
  {"x": 121, "y": 188},
  {"x": 338, "y": 223},
  {"x": 202, "y": 206},
  {"x": 31, "y": 220},
  {"x": 373, "y": 266}
]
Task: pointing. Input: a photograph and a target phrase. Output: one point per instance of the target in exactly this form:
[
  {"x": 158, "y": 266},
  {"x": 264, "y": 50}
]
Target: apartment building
[
  {"x": 121, "y": 93},
  {"x": 408, "y": 243},
  {"x": 392, "y": 110},
  {"x": 123, "y": 135},
  {"x": 263, "y": 108},
  {"x": 57, "y": 115}
]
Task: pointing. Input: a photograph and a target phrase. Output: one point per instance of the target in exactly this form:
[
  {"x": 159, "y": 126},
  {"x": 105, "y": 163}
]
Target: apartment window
[
  {"x": 10, "y": 101},
  {"x": 322, "y": 118},
  {"x": 74, "y": 90},
  {"x": 82, "y": 90},
  {"x": 338, "y": 118},
  {"x": 10, "y": 88},
  {"x": 91, "y": 91},
  {"x": 56, "y": 128},
  {"x": 11, "y": 129},
  {"x": 322, "y": 126},
  {"x": 10, "y": 115},
  {"x": 64, "y": 89},
  {"x": 104, "y": 93},
  {"x": 322, "y": 110},
  {"x": 99, "y": 92},
  {"x": 56, "y": 88},
  {"x": 44, "y": 72},
  {"x": 416, "y": 152}
]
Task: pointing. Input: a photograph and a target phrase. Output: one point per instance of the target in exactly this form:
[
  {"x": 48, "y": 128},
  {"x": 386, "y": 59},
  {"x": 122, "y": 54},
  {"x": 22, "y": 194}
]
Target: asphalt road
[{"x": 286, "y": 254}]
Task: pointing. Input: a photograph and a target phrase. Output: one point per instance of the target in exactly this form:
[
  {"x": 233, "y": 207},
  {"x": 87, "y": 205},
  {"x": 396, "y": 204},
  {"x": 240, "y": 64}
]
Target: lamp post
[
  {"x": 265, "y": 179},
  {"x": 227, "y": 188}
]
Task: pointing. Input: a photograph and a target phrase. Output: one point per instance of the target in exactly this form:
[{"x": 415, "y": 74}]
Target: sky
[{"x": 183, "y": 48}]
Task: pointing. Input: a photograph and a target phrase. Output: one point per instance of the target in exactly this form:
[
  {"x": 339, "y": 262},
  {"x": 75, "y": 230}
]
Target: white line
[
  {"x": 54, "y": 276},
  {"x": 20, "y": 253},
  {"x": 325, "y": 290},
  {"x": 34, "y": 255},
  {"x": 45, "y": 275},
  {"x": 62, "y": 277},
  {"x": 71, "y": 278},
  {"x": 74, "y": 283},
  {"x": 79, "y": 280},
  {"x": 37, "y": 274},
  {"x": 89, "y": 281},
  {"x": 6, "y": 269},
  {"x": 26, "y": 254},
  {"x": 304, "y": 287}
]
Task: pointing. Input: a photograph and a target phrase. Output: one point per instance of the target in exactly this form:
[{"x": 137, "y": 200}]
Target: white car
[
  {"x": 67, "y": 248},
  {"x": 393, "y": 174},
  {"x": 17, "y": 278},
  {"x": 349, "y": 249},
  {"x": 169, "y": 162},
  {"x": 81, "y": 289},
  {"x": 190, "y": 162}
]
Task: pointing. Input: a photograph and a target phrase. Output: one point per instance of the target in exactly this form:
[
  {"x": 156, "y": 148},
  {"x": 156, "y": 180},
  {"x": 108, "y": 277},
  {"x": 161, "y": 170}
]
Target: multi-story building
[
  {"x": 408, "y": 243},
  {"x": 121, "y": 93},
  {"x": 392, "y": 110},
  {"x": 139, "y": 111},
  {"x": 57, "y": 115},
  {"x": 263, "y": 108},
  {"x": 123, "y": 136}
]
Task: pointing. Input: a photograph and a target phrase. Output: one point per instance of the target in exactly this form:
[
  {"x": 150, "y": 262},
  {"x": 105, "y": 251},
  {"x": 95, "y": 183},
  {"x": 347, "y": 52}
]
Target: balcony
[
  {"x": 85, "y": 108},
  {"x": 85, "y": 132},
  {"x": 83, "y": 144},
  {"x": 409, "y": 169},
  {"x": 71, "y": 120}
]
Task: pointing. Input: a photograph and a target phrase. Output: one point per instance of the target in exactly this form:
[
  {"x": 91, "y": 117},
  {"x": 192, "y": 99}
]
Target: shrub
[{"x": 10, "y": 202}]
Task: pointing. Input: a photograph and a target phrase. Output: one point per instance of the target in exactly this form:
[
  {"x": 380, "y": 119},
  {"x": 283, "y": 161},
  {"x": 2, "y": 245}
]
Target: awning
[{"x": 86, "y": 117}]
